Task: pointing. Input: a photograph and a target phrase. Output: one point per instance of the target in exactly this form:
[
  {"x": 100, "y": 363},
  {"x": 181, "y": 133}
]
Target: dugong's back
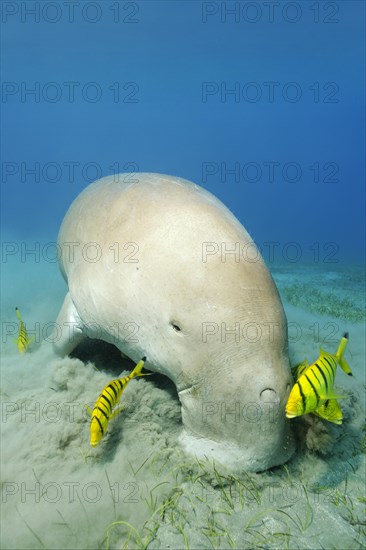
[
  {"x": 168, "y": 256},
  {"x": 167, "y": 221},
  {"x": 146, "y": 204}
]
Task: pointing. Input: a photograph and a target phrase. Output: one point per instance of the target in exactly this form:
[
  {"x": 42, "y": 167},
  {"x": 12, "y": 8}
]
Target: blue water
[{"x": 262, "y": 106}]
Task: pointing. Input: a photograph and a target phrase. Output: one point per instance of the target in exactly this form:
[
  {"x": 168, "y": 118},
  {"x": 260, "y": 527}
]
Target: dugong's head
[{"x": 163, "y": 269}]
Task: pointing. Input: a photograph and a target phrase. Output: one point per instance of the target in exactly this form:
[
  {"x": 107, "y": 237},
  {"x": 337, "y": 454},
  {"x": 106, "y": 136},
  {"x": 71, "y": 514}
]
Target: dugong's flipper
[{"x": 67, "y": 333}]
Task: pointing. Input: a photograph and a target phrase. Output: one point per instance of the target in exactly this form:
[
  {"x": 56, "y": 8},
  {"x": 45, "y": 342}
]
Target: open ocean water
[{"x": 263, "y": 105}]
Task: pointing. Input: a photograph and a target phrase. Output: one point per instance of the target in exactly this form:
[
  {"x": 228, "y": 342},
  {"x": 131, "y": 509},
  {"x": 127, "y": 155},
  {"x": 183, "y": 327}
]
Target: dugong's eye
[{"x": 175, "y": 326}]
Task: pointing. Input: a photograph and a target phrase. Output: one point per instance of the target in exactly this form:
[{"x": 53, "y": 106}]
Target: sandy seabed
[{"x": 137, "y": 489}]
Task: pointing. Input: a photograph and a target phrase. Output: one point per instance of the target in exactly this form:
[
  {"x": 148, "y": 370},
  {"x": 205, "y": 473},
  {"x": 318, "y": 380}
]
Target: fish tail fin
[
  {"x": 137, "y": 370},
  {"x": 342, "y": 345},
  {"x": 17, "y": 312},
  {"x": 339, "y": 355},
  {"x": 345, "y": 367}
]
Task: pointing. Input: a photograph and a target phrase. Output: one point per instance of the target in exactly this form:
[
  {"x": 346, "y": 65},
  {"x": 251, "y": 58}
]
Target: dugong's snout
[
  {"x": 275, "y": 393},
  {"x": 274, "y": 389},
  {"x": 270, "y": 405},
  {"x": 227, "y": 418},
  {"x": 269, "y": 394}
]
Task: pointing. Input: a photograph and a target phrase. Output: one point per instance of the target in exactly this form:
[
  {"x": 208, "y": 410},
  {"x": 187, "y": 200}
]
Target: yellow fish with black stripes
[
  {"x": 313, "y": 389},
  {"x": 22, "y": 341},
  {"x": 109, "y": 397},
  {"x": 330, "y": 409}
]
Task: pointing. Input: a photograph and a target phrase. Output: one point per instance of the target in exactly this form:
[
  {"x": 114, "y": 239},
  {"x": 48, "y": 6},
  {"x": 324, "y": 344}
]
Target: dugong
[{"x": 159, "y": 267}]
